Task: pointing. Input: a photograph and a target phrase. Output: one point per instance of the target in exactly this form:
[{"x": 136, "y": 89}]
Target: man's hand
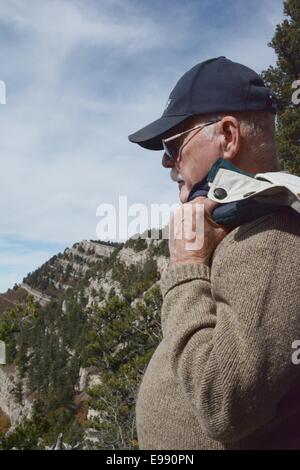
[{"x": 193, "y": 235}]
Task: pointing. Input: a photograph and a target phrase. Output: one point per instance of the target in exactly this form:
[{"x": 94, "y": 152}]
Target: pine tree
[{"x": 284, "y": 81}]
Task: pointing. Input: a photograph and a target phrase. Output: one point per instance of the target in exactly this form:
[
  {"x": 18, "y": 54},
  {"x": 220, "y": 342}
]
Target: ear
[{"x": 231, "y": 136}]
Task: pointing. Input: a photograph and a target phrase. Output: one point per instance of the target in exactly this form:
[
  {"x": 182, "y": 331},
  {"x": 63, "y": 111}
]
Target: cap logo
[{"x": 168, "y": 103}]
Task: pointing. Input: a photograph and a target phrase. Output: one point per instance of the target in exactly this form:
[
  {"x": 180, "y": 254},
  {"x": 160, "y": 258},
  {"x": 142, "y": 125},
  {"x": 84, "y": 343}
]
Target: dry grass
[{"x": 4, "y": 422}]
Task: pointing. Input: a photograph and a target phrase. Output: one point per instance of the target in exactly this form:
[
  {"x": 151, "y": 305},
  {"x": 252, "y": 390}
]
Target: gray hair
[{"x": 257, "y": 131}]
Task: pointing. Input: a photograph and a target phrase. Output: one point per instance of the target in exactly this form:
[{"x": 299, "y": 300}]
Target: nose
[{"x": 167, "y": 162}]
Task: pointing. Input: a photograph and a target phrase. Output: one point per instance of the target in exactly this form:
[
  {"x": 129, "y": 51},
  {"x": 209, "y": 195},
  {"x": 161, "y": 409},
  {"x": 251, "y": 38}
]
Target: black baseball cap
[{"x": 215, "y": 85}]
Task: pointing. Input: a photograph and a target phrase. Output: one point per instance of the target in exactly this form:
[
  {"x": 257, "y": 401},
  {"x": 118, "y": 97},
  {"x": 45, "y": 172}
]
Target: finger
[
  {"x": 209, "y": 204},
  {"x": 210, "y": 221}
]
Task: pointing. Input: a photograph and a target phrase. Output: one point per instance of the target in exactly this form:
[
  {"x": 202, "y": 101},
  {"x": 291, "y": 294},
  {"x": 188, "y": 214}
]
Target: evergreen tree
[{"x": 284, "y": 81}]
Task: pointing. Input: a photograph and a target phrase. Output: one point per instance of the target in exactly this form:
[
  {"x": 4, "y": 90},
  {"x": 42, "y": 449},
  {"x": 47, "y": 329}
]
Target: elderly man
[{"x": 223, "y": 376}]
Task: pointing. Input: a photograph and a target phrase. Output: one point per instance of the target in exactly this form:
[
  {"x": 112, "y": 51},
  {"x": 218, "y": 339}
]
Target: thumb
[{"x": 210, "y": 206}]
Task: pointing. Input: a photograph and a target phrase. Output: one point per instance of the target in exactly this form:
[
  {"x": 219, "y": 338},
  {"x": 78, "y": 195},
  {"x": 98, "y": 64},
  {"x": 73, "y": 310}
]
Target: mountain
[
  {"x": 79, "y": 332},
  {"x": 58, "y": 274}
]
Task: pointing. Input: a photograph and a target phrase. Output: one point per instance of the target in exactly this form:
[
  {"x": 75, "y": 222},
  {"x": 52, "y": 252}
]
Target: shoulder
[{"x": 267, "y": 234}]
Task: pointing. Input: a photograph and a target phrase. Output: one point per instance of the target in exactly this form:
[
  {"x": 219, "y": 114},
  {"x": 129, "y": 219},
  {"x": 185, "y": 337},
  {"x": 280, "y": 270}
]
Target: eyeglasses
[{"x": 172, "y": 149}]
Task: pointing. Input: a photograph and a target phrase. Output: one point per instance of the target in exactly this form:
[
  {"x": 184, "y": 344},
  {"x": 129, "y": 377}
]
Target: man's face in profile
[{"x": 195, "y": 156}]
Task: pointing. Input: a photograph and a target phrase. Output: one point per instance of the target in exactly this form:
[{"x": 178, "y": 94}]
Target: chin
[{"x": 183, "y": 195}]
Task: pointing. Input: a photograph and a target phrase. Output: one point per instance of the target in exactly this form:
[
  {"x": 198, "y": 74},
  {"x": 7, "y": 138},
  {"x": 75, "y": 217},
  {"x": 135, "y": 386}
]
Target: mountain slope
[{"x": 79, "y": 333}]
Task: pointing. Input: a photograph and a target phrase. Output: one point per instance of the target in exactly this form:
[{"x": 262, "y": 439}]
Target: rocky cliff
[{"x": 79, "y": 332}]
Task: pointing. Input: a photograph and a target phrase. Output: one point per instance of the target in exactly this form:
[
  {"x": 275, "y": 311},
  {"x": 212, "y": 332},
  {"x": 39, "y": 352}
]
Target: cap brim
[{"x": 150, "y": 136}]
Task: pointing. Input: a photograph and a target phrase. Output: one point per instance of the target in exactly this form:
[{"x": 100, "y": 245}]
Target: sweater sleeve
[{"x": 230, "y": 327}]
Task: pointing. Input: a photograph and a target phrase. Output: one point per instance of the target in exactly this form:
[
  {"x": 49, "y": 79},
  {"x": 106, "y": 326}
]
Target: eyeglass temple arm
[{"x": 188, "y": 130}]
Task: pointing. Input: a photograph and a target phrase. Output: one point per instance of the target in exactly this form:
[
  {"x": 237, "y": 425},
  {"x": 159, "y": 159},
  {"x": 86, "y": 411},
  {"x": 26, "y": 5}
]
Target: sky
[{"x": 81, "y": 75}]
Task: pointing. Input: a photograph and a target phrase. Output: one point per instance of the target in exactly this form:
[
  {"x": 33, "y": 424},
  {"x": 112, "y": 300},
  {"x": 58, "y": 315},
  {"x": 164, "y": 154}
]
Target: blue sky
[{"x": 81, "y": 75}]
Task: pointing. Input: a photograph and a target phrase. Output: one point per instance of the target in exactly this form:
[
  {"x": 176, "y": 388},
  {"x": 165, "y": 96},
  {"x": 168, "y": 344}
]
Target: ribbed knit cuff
[{"x": 181, "y": 273}]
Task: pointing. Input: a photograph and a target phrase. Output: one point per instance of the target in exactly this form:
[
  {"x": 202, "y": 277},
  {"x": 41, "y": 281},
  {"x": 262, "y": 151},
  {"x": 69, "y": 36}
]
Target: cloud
[{"x": 81, "y": 75}]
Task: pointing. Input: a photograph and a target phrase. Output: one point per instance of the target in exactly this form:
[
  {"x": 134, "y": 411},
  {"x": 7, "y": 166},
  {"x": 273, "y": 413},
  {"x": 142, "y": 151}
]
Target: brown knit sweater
[{"x": 222, "y": 376}]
